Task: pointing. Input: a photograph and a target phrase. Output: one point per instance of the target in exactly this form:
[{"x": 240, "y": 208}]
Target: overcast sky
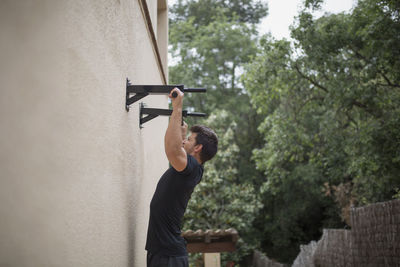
[{"x": 282, "y": 12}]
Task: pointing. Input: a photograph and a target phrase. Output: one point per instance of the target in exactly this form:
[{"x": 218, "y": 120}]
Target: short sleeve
[{"x": 190, "y": 166}]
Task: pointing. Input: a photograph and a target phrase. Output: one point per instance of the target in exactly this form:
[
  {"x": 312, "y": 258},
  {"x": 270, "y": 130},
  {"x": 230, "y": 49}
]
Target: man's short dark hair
[{"x": 208, "y": 139}]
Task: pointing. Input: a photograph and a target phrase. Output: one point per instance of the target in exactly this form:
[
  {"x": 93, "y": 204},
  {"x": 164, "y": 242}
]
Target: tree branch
[
  {"x": 389, "y": 83},
  {"x": 309, "y": 79}
]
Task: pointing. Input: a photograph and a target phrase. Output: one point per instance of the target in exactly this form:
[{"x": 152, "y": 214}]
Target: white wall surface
[{"x": 76, "y": 172}]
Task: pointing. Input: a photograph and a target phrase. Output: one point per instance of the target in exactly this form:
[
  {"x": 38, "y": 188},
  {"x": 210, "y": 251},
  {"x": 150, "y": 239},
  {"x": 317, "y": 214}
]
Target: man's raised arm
[{"x": 173, "y": 140}]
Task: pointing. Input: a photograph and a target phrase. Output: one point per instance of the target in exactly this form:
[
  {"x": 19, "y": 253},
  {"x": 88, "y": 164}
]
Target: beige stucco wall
[
  {"x": 76, "y": 172},
  {"x": 162, "y": 31}
]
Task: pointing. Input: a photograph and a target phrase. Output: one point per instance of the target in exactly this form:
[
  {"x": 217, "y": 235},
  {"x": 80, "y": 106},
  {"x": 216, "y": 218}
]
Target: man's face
[{"x": 189, "y": 143}]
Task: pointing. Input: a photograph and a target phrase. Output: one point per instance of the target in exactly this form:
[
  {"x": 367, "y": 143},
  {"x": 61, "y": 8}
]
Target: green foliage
[
  {"x": 331, "y": 102},
  {"x": 219, "y": 202},
  {"x": 397, "y": 194},
  {"x": 323, "y": 128},
  {"x": 213, "y": 56},
  {"x": 205, "y": 11},
  {"x": 212, "y": 41}
]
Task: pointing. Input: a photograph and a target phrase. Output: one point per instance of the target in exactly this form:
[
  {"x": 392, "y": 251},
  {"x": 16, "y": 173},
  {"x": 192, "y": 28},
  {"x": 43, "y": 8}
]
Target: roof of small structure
[{"x": 211, "y": 240}]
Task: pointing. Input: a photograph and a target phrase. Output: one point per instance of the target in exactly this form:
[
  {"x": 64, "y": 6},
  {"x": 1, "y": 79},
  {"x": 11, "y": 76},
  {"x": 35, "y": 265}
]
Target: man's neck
[{"x": 197, "y": 157}]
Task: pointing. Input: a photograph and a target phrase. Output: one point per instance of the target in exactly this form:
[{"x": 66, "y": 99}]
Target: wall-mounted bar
[
  {"x": 155, "y": 112},
  {"x": 141, "y": 91}
]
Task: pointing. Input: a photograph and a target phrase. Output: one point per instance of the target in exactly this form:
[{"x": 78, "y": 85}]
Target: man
[{"x": 165, "y": 246}]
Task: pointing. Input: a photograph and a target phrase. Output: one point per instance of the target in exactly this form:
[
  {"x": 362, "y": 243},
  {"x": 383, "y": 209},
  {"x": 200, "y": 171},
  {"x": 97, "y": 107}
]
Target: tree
[
  {"x": 331, "y": 102},
  {"x": 204, "y": 12},
  {"x": 213, "y": 57},
  {"x": 294, "y": 207},
  {"x": 359, "y": 68},
  {"x": 218, "y": 202},
  {"x": 212, "y": 41}
]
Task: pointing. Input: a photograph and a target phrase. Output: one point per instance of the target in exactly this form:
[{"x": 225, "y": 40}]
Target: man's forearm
[{"x": 173, "y": 135}]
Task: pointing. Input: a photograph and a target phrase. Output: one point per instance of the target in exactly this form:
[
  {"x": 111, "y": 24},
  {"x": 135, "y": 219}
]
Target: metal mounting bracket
[
  {"x": 141, "y": 91},
  {"x": 155, "y": 112}
]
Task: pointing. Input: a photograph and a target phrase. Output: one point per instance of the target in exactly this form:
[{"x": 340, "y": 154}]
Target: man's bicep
[{"x": 178, "y": 160}]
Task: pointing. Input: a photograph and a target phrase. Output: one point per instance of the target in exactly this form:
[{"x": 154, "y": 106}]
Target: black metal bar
[
  {"x": 191, "y": 90},
  {"x": 195, "y": 114},
  {"x": 168, "y": 112},
  {"x": 147, "y": 118},
  {"x": 141, "y": 91},
  {"x": 133, "y": 99},
  {"x": 195, "y": 90},
  {"x": 161, "y": 89},
  {"x": 154, "y": 112},
  {"x": 153, "y": 89}
]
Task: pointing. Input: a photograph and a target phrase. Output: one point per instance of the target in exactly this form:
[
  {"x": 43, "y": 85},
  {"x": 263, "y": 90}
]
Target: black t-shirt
[{"x": 168, "y": 206}]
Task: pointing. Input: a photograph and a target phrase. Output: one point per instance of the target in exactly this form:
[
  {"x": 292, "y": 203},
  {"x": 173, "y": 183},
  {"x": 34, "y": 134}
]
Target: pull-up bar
[
  {"x": 155, "y": 112},
  {"x": 141, "y": 91}
]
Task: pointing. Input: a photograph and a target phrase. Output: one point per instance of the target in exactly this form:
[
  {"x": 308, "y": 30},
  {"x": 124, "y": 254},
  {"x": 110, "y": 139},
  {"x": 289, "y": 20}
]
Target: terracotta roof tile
[{"x": 211, "y": 240}]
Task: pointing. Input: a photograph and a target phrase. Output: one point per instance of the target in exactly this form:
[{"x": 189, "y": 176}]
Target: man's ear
[{"x": 198, "y": 148}]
